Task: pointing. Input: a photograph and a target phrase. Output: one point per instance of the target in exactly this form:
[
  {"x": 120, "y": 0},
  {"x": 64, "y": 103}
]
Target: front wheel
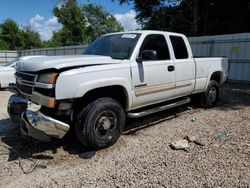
[
  {"x": 209, "y": 98},
  {"x": 100, "y": 123}
]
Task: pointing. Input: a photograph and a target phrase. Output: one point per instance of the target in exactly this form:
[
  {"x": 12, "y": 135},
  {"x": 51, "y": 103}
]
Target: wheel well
[
  {"x": 216, "y": 76},
  {"x": 116, "y": 92}
]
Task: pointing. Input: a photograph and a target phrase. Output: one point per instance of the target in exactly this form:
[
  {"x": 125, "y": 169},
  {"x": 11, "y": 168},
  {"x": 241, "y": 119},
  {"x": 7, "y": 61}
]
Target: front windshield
[
  {"x": 116, "y": 46},
  {"x": 10, "y": 63}
]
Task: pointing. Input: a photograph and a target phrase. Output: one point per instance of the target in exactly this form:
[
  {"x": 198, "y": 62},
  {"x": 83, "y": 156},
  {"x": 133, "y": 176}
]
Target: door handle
[{"x": 170, "y": 68}]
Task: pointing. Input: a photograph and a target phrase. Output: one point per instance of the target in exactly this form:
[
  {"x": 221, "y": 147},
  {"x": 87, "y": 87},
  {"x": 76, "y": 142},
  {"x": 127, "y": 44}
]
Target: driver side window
[{"x": 157, "y": 43}]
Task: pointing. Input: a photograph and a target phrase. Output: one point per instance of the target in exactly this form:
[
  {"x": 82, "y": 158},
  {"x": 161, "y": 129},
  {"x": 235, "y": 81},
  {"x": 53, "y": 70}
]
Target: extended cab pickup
[{"x": 120, "y": 74}]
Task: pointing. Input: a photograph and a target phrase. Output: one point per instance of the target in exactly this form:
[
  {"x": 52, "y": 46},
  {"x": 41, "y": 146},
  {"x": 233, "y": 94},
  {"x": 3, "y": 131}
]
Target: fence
[
  {"x": 66, "y": 50},
  {"x": 6, "y": 56},
  {"x": 236, "y": 47}
]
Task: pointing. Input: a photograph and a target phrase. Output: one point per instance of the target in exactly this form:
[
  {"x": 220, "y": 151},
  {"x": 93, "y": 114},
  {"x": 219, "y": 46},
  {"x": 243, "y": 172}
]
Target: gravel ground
[{"x": 142, "y": 156}]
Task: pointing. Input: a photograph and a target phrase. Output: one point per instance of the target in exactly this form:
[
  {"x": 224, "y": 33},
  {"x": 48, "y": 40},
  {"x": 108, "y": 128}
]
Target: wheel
[
  {"x": 100, "y": 123},
  {"x": 209, "y": 98}
]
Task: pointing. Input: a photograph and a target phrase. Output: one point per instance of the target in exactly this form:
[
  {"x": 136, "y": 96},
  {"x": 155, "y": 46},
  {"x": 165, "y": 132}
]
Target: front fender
[
  {"x": 85, "y": 87},
  {"x": 76, "y": 83}
]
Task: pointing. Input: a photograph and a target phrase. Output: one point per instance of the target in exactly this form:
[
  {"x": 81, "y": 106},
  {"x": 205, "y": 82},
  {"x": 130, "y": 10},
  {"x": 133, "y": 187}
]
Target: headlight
[{"x": 48, "y": 78}]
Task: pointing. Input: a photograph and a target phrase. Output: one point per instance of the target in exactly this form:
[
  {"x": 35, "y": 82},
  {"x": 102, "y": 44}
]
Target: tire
[
  {"x": 209, "y": 98},
  {"x": 100, "y": 123}
]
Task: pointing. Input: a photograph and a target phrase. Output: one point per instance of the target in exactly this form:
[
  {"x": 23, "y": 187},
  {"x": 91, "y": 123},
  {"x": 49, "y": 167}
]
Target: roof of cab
[{"x": 146, "y": 32}]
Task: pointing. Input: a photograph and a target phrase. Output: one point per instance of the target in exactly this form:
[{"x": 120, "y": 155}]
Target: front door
[{"x": 153, "y": 79}]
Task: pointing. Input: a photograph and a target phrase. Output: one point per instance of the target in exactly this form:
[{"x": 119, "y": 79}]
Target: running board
[{"x": 158, "y": 109}]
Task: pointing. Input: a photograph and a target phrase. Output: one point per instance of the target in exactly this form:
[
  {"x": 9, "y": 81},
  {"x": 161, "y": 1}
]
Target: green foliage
[
  {"x": 10, "y": 34},
  {"x": 3, "y": 45},
  {"x": 98, "y": 22},
  {"x": 69, "y": 15},
  {"x": 193, "y": 17},
  {"x": 56, "y": 40},
  {"x": 82, "y": 24},
  {"x": 30, "y": 39},
  {"x": 14, "y": 38}
]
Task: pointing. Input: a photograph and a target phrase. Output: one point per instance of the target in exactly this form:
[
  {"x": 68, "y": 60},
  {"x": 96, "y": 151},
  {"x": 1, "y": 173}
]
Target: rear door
[
  {"x": 184, "y": 66},
  {"x": 153, "y": 80}
]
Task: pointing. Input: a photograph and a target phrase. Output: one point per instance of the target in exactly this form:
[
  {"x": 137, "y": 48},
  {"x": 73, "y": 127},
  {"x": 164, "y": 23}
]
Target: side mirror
[{"x": 147, "y": 55}]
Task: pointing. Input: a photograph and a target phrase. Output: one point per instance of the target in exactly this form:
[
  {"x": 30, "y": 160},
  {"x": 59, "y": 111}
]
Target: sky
[{"x": 38, "y": 14}]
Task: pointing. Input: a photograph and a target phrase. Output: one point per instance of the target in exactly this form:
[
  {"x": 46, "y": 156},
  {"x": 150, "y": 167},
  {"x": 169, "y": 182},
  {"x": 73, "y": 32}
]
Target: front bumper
[
  {"x": 41, "y": 126},
  {"x": 33, "y": 122}
]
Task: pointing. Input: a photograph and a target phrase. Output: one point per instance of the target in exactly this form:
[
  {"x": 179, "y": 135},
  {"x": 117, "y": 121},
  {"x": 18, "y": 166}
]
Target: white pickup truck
[{"x": 120, "y": 74}]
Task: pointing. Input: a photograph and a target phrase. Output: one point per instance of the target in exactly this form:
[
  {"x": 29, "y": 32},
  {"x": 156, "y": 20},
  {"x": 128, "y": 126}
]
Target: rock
[
  {"x": 193, "y": 119},
  {"x": 179, "y": 145},
  {"x": 193, "y": 139},
  {"x": 216, "y": 145},
  {"x": 199, "y": 142},
  {"x": 190, "y": 138}
]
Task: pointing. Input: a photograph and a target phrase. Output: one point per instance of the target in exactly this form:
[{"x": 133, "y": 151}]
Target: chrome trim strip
[
  {"x": 158, "y": 109},
  {"x": 25, "y": 80},
  {"x": 43, "y": 85},
  {"x": 183, "y": 83},
  {"x": 29, "y": 74},
  {"x": 26, "y": 84},
  {"x": 161, "y": 87},
  {"x": 153, "y": 89}
]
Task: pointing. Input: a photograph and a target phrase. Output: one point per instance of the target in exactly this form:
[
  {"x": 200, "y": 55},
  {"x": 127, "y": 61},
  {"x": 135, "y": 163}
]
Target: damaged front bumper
[
  {"x": 33, "y": 122},
  {"x": 41, "y": 126}
]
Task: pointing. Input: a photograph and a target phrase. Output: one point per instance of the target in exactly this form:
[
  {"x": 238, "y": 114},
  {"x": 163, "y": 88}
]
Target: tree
[
  {"x": 3, "y": 45},
  {"x": 193, "y": 17},
  {"x": 56, "y": 40},
  {"x": 73, "y": 21},
  {"x": 82, "y": 24},
  {"x": 98, "y": 22},
  {"x": 11, "y": 35},
  {"x": 30, "y": 38}
]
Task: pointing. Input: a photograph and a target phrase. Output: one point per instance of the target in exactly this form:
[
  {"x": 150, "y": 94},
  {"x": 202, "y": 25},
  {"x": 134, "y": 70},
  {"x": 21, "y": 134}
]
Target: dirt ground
[{"x": 142, "y": 156}]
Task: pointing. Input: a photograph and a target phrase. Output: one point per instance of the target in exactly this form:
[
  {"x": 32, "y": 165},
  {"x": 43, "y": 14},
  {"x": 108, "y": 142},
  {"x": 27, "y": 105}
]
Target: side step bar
[{"x": 158, "y": 109}]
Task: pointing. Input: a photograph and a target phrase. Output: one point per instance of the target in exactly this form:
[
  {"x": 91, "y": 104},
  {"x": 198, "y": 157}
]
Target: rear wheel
[
  {"x": 209, "y": 98},
  {"x": 100, "y": 123}
]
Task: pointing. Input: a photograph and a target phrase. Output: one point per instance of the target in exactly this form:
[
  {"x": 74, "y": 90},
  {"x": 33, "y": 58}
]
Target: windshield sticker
[{"x": 130, "y": 36}]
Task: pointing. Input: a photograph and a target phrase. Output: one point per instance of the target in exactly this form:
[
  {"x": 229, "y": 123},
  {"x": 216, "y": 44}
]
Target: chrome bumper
[{"x": 42, "y": 127}]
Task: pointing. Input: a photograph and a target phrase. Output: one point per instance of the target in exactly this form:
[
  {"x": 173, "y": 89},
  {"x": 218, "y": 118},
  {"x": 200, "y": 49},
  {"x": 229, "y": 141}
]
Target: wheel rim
[
  {"x": 212, "y": 94},
  {"x": 105, "y": 124}
]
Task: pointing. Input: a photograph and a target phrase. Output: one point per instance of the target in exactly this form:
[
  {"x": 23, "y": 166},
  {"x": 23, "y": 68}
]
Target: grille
[
  {"x": 25, "y": 82},
  {"x": 26, "y": 76}
]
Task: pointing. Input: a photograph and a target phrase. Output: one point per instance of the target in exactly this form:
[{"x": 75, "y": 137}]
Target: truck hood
[{"x": 34, "y": 64}]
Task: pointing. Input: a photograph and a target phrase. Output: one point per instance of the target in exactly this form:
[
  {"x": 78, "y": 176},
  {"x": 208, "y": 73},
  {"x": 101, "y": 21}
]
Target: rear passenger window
[
  {"x": 179, "y": 46},
  {"x": 158, "y": 43}
]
